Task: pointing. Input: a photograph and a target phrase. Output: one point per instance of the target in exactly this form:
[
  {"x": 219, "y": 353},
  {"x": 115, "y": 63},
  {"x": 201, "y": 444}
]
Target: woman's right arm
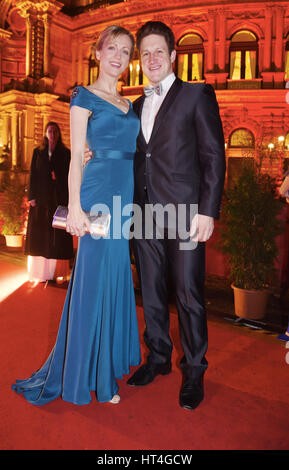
[{"x": 77, "y": 221}]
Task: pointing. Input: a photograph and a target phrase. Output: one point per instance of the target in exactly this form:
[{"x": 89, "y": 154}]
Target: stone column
[
  {"x": 278, "y": 49},
  {"x": 28, "y": 46},
  {"x": 268, "y": 39},
  {"x": 5, "y": 129},
  {"x": 221, "y": 75},
  {"x": 211, "y": 40},
  {"x": 46, "y": 51},
  {"x": 85, "y": 73},
  {"x": 266, "y": 72},
  {"x": 38, "y": 18},
  {"x": 222, "y": 41},
  {"x": 21, "y": 141},
  {"x": 14, "y": 138},
  {"x": 74, "y": 61},
  {"x": 27, "y": 136},
  {"x": 79, "y": 64}
]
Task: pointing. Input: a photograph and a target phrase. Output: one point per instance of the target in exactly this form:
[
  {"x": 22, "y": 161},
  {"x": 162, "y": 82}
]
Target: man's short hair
[{"x": 156, "y": 27}]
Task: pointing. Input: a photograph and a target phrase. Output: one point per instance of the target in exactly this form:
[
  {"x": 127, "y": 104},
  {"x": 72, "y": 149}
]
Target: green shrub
[
  {"x": 250, "y": 224},
  {"x": 13, "y": 205}
]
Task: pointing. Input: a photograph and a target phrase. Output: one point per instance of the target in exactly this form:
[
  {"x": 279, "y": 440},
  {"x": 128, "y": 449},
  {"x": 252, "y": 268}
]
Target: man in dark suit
[{"x": 179, "y": 160}]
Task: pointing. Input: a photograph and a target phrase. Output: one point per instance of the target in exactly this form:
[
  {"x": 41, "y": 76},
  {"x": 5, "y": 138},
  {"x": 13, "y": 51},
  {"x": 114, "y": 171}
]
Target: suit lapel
[
  {"x": 138, "y": 105},
  {"x": 166, "y": 104}
]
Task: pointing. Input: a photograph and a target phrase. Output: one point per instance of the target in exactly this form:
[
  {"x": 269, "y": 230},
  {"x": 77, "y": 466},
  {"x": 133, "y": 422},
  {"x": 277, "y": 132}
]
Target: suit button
[
  {"x": 148, "y": 155},
  {"x": 145, "y": 188}
]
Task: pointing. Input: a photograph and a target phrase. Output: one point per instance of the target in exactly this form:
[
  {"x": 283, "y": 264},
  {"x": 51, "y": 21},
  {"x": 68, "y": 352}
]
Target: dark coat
[{"x": 48, "y": 185}]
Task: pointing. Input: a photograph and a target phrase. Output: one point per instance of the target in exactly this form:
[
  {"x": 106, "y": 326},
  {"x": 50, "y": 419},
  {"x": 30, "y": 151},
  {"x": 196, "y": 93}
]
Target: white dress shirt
[{"x": 152, "y": 105}]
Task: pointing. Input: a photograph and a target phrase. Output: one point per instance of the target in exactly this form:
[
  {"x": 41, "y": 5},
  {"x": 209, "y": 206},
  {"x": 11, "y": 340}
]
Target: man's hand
[
  {"x": 87, "y": 156},
  {"x": 32, "y": 202},
  {"x": 202, "y": 227}
]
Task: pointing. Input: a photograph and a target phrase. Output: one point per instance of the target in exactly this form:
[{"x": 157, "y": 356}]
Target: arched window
[
  {"x": 190, "y": 57},
  {"x": 135, "y": 74},
  {"x": 243, "y": 55},
  {"x": 241, "y": 138},
  {"x": 240, "y": 153}
]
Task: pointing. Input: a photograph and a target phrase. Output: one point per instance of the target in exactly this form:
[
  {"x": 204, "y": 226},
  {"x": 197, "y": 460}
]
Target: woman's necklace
[{"x": 116, "y": 97}]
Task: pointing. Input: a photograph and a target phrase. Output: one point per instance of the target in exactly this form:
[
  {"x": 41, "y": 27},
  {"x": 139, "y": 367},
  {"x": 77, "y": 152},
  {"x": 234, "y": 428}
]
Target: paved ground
[{"x": 219, "y": 300}]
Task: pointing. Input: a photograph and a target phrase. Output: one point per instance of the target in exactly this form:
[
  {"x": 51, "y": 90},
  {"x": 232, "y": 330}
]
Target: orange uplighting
[{"x": 11, "y": 283}]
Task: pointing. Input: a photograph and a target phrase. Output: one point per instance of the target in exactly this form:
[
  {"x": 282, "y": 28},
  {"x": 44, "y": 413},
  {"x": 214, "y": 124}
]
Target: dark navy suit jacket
[{"x": 184, "y": 160}]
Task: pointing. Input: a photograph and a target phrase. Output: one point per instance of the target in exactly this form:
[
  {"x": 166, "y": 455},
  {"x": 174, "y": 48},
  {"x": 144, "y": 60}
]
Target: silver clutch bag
[{"x": 99, "y": 223}]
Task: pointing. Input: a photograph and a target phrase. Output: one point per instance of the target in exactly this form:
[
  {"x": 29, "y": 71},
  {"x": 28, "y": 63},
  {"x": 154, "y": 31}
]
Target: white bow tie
[{"x": 149, "y": 90}]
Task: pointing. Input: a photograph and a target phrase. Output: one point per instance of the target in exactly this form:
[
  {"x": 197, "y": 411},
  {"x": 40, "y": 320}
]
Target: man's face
[{"x": 157, "y": 62}]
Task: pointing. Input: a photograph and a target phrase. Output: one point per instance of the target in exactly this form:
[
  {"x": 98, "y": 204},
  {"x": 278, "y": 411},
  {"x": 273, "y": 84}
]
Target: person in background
[{"x": 49, "y": 250}]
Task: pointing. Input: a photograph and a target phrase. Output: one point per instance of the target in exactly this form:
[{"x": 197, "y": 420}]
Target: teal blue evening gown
[{"x": 98, "y": 337}]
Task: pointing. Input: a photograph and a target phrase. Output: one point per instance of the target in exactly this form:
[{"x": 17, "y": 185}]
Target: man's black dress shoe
[
  {"x": 191, "y": 394},
  {"x": 147, "y": 372}
]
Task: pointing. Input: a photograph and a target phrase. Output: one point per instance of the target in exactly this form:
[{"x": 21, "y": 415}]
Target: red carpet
[{"x": 246, "y": 402}]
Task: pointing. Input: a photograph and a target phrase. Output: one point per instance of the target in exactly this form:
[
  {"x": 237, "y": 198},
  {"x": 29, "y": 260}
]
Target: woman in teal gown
[{"x": 98, "y": 336}]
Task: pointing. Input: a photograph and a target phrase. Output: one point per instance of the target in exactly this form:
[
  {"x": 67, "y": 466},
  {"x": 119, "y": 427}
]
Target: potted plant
[
  {"x": 13, "y": 209},
  {"x": 250, "y": 224}
]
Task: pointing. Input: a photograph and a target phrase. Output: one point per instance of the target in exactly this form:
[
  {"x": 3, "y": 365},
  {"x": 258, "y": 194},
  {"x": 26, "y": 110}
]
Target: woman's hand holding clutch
[{"x": 77, "y": 222}]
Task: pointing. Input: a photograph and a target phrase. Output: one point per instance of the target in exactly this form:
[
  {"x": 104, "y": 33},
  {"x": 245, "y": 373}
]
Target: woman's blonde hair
[{"x": 112, "y": 31}]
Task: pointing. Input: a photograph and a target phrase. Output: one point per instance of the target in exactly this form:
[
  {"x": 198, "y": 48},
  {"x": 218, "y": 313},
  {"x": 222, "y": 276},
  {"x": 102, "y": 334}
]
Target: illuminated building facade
[{"x": 241, "y": 48}]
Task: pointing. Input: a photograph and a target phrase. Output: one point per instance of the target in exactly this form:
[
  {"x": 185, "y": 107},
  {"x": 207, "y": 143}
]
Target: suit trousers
[{"x": 155, "y": 259}]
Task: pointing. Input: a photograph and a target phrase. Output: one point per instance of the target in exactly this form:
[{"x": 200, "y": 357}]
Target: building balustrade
[{"x": 244, "y": 84}]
